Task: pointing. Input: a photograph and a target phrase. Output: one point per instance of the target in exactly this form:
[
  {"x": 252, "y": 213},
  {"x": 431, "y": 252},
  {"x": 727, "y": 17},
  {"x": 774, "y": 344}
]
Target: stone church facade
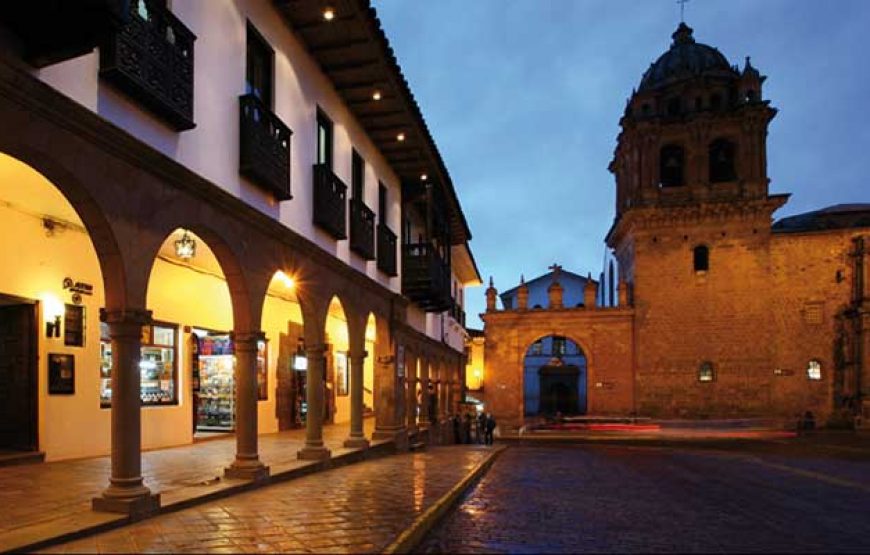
[{"x": 720, "y": 313}]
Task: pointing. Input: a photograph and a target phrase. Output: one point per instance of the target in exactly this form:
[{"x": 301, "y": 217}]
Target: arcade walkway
[{"x": 41, "y": 501}]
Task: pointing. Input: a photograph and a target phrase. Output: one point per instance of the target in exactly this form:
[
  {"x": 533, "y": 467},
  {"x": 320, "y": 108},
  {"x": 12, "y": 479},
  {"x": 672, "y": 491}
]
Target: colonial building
[
  {"x": 221, "y": 219},
  {"x": 719, "y": 312}
]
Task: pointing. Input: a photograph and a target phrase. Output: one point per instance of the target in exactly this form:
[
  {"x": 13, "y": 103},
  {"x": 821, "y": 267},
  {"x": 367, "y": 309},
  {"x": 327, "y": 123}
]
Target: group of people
[{"x": 469, "y": 428}]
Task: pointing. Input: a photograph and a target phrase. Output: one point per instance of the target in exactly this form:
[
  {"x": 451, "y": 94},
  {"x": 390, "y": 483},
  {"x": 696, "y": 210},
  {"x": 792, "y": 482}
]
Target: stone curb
[
  {"x": 408, "y": 540},
  {"x": 29, "y": 544}
]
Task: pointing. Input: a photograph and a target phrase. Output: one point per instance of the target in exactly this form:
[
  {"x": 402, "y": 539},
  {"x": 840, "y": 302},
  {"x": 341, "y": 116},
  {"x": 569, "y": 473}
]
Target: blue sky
[{"x": 523, "y": 98}]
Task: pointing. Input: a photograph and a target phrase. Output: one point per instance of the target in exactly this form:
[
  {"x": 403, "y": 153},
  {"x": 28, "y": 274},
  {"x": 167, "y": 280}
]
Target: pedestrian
[
  {"x": 490, "y": 428},
  {"x": 457, "y": 438},
  {"x": 466, "y": 428},
  {"x": 480, "y": 427}
]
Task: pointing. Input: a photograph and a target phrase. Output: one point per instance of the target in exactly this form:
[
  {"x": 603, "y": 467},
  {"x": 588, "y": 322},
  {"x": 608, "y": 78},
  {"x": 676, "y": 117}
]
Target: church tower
[{"x": 692, "y": 227}]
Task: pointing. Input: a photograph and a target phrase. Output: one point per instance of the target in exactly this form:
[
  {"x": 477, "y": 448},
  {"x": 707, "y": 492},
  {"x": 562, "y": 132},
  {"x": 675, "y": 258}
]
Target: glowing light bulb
[
  {"x": 376, "y": 95},
  {"x": 400, "y": 137},
  {"x": 328, "y": 13}
]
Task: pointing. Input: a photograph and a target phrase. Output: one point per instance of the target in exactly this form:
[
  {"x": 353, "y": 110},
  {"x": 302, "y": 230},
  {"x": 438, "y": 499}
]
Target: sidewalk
[
  {"x": 355, "y": 509},
  {"x": 44, "y": 501}
]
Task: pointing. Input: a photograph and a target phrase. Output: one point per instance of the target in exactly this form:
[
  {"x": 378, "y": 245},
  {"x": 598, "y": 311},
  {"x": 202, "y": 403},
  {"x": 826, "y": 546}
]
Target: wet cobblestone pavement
[
  {"x": 352, "y": 509},
  {"x": 626, "y": 499}
]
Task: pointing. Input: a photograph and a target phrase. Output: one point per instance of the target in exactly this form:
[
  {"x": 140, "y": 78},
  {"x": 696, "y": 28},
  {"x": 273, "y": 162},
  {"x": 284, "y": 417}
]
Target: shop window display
[
  {"x": 158, "y": 365},
  {"x": 214, "y": 382}
]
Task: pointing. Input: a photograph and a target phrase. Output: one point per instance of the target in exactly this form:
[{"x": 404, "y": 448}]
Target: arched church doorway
[{"x": 554, "y": 377}]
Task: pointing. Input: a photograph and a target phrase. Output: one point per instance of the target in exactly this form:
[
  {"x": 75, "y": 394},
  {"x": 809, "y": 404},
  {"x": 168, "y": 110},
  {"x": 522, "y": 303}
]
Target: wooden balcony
[
  {"x": 330, "y": 202},
  {"x": 51, "y": 31},
  {"x": 151, "y": 59},
  {"x": 425, "y": 277},
  {"x": 264, "y": 147},
  {"x": 387, "y": 251},
  {"x": 457, "y": 313},
  {"x": 362, "y": 229}
]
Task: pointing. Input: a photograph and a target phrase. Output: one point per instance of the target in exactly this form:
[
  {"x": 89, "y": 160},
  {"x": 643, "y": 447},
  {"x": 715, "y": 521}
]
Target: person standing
[
  {"x": 457, "y": 437},
  {"x": 490, "y": 428},
  {"x": 480, "y": 427},
  {"x": 466, "y": 428}
]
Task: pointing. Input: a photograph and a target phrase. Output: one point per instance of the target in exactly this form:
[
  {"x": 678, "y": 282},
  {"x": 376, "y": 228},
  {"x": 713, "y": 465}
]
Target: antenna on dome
[{"x": 682, "y": 4}]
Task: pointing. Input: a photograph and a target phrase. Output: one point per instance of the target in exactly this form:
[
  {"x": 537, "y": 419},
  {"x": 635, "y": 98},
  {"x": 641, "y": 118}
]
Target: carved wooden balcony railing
[
  {"x": 425, "y": 277},
  {"x": 362, "y": 229},
  {"x": 387, "y": 251},
  {"x": 330, "y": 202},
  {"x": 151, "y": 59},
  {"x": 264, "y": 147}
]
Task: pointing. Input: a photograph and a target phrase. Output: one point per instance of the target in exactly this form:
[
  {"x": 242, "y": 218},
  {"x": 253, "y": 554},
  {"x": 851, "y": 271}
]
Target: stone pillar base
[
  {"x": 136, "y": 508},
  {"x": 356, "y": 443},
  {"x": 253, "y": 472},
  {"x": 311, "y": 453}
]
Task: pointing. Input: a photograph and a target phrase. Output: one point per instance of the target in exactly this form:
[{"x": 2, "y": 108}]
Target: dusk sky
[{"x": 524, "y": 97}]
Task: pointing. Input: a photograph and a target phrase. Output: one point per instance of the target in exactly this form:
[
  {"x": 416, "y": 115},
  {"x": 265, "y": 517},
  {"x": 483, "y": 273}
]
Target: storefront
[{"x": 213, "y": 381}]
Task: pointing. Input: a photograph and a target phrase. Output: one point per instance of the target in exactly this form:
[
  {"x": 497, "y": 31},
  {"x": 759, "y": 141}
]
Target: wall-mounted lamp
[
  {"x": 328, "y": 13},
  {"x": 300, "y": 361},
  {"x": 185, "y": 247},
  {"x": 52, "y": 313}
]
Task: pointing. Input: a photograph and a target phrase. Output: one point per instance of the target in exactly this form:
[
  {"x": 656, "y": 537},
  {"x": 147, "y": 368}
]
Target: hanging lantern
[{"x": 185, "y": 247}]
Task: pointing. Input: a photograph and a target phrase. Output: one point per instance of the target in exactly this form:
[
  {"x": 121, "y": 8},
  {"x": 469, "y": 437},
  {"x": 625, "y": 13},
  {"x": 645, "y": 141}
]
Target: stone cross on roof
[
  {"x": 557, "y": 270},
  {"x": 682, "y": 4}
]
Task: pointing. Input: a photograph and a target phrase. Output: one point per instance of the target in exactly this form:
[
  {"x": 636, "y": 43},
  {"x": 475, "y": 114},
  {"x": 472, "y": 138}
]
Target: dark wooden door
[{"x": 17, "y": 377}]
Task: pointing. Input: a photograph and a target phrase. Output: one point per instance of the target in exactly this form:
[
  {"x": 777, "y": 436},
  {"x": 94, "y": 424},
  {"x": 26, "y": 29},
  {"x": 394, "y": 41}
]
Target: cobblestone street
[
  {"x": 614, "y": 499},
  {"x": 352, "y": 509}
]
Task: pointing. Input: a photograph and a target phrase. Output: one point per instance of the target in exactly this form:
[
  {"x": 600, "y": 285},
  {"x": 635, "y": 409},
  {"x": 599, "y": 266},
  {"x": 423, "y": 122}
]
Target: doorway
[{"x": 18, "y": 376}]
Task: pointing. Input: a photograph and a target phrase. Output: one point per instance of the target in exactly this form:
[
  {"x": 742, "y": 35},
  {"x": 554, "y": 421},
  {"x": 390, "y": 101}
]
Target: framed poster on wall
[
  {"x": 262, "y": 371},
  {"x": 341, "y": 378},
  {"x": 61, "y": 374}
]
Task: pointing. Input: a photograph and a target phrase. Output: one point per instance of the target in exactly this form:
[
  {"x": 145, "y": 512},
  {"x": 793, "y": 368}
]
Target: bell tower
[
  {"x": 693, "y": 135},
  {"x": 693, "y": 226}
]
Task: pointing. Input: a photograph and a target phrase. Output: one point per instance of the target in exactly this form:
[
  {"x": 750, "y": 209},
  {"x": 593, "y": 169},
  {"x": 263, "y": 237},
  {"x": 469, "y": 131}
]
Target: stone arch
[
  {"x": 242, "y": 289},
  {"x": 580, "y": 384},
  {"x": 100, "y": 231},
  {"x": 672, "y": 165},
  {"x": 535, "y": 336}
]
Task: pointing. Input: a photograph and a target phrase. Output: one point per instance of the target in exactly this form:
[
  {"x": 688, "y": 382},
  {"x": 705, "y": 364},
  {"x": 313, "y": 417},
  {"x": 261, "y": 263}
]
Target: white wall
[{"x": 211, "y": 148}]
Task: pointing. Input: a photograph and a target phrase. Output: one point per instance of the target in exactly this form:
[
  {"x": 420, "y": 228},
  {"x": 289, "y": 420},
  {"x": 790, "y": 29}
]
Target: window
[
  {"x": 258, "y": 71},
  {"x": 721, "y": 159},
  {"x": 324, "y": 139},
  {"x": 538, "y": 347},
  {"x": 715, "y": 101},
  {"x": 382, "y": 203},
  {"x": 558, "y": 346},
  {"x": 701, "y": 258},
  {"x": 705, "y": 372},
  {"x": 814, "y": 370},
  {"x": 158, "y": 365},
  {"x": 671, "y": 166},
  {"x": 357, "y": 176},
  {"x": 674, "y": 106}
]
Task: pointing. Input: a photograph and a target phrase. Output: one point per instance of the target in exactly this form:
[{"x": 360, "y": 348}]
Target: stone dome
[{"x": 684, "y": 60}]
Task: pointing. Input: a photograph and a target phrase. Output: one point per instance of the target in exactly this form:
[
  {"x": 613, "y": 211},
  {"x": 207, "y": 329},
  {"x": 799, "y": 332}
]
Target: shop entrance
[{"x": 18, "y": 379}]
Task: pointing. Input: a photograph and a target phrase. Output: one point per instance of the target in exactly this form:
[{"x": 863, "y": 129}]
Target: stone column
[
  {"x": 457, "y": 395},
  {"x": 126, "y": 493},
  {"x": 247, "y": 465},
  {"x": 357, "y": 439},
  {"x": 314, "y": 448},
  {"x": 424, "y": 398},
  {"x": 389, "y": 400},
  {"x": 411, "y": 394}
]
